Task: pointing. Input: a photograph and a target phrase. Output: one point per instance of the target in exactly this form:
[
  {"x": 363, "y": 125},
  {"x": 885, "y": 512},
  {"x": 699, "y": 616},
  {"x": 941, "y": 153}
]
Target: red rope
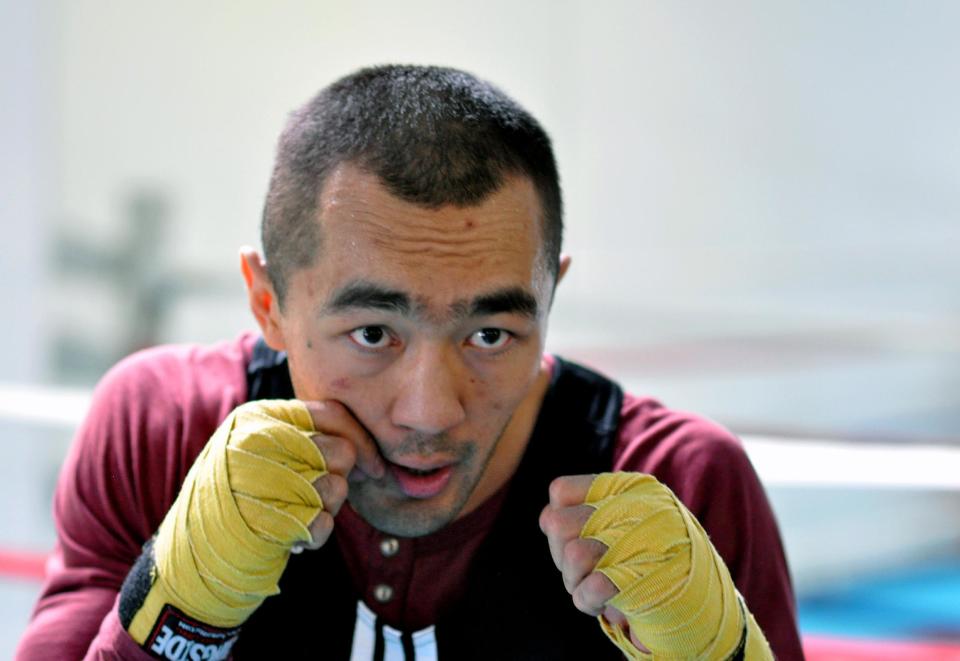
[
  {"x": 22, "y": 564},
  {"x": 825, "y": 648}
]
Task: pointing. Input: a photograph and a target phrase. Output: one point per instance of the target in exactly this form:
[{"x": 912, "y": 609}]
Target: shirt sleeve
[
  {"x": 149, "y": 417},
  {"x": 709, "y": 471}
]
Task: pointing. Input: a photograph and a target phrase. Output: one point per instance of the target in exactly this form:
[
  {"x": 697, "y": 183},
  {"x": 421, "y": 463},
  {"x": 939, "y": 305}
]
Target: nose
[{"x": 430, "y": 388}]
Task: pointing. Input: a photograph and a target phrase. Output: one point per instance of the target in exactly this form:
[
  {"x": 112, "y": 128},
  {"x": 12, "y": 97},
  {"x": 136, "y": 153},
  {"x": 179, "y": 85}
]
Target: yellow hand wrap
[
  {"x": 247, "y": 499},
  {"x": 675, "y": 590}
]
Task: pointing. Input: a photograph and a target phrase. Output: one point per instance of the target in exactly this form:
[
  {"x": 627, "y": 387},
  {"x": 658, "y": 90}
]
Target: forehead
[{"x": 437, "y": 255}]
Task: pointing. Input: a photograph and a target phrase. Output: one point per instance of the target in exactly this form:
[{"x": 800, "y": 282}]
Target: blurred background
[{"x": 763, "y": 207}]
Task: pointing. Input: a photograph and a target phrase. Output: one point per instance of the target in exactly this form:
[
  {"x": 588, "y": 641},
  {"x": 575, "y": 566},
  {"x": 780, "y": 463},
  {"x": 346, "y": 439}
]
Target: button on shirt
[
  {"x": 389, "y": 547},
  {"x": 383, "y": 593},
  {"x": 409, "y": 582}
]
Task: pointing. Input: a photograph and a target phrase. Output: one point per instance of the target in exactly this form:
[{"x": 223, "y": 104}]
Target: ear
[
  {"x": 565, "y": 260},
  {"x": 260, "y": 294},
  {"x": 561, "y": 271}
]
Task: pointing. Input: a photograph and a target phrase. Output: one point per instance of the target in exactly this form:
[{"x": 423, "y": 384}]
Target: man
[{"x": 399, "y": 429}]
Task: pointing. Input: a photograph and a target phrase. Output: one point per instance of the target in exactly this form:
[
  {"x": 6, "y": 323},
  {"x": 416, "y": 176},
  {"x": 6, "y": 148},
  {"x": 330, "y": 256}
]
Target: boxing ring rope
[
  {"x": 780, "y": 460},
  {"x": 44, "y": 406}
]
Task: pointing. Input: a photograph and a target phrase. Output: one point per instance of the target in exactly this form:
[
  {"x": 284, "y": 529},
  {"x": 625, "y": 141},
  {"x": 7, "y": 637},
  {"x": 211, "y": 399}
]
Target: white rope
[
  {"x": 43, "y": 406},
  {"x": 828, "y": 463},
  {"x": 779, "y": 460}
]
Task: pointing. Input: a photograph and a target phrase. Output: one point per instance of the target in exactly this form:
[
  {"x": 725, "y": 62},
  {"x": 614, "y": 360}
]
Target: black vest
[{"x": 515, "y": 605}]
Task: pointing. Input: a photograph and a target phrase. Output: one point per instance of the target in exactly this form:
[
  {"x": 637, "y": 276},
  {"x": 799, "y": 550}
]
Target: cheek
[
  {"x": 367, "y": 398},
  {"x": 498, "y": 395},
  {"x": 316, "y": 377}
]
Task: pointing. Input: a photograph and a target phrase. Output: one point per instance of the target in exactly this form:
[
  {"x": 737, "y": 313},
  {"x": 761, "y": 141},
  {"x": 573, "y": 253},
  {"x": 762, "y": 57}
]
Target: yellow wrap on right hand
[
  {"x": 247, "y": 499},
  {"x": 675, "y": 590}
]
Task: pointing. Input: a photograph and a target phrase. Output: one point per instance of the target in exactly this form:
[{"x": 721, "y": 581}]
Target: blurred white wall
[
  {"x": 736, "y": 168},
  {"x": 717, "y": 143},
  {"x": 27, "y": 184}
]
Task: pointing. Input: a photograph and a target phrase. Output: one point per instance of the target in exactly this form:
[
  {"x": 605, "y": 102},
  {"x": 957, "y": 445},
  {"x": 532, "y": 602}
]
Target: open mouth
[
  {"x": 421, "y": 483},
  {"x": 415, "y": 471}
]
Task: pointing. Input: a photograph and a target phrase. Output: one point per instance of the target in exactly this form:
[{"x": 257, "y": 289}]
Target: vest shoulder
[
  {"x": 668, "y": 443},
  {"x": 173, "y": 389},
  {"x": 169, "y": 367}
]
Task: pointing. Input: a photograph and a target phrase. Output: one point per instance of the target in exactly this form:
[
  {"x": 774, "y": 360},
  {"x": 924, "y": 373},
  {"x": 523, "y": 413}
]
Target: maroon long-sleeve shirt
[{"x": 153, "y": 413}]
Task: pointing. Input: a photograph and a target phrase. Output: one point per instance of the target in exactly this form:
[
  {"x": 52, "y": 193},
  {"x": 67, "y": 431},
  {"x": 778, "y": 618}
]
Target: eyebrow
[
  {"x": 365, "y": 295},
  {"x": 511, "y": 300}
]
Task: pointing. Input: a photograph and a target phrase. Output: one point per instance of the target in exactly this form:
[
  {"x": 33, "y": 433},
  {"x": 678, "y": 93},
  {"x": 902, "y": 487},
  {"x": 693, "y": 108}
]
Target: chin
[
  {"x": 410, "y": 523},
  {"x": 406, "y": 518}
]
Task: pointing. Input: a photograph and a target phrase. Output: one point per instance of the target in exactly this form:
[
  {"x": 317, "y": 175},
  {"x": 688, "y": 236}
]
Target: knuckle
[
  {"x": 325, "y": 521},
  {"x": 578, "y": 601},
  {"x": 332, "y": 490},
  {"x": 349, "y": 453},
  {"x": 557, "y": 488},
  {"x": 574, "y": 555},
  {"x": 321, "y": 528},
  {"x": 600, "y": 588},
  {"x": 547, "y": 518},
  {"x": 580, "y": 557},
  {"x": 343, "y": 458},
  {"x": 340, "y": 455},
  {"x": 586, "y": 598},
  {"x": 337, "y": 488}
]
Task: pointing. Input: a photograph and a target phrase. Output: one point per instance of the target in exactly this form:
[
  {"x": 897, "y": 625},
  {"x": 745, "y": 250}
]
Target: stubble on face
[{"x": 384, "y": 507}]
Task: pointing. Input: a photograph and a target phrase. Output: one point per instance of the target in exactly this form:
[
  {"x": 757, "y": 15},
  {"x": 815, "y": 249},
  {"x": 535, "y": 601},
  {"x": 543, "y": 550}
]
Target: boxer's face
[{"x": 428, "y": 324}]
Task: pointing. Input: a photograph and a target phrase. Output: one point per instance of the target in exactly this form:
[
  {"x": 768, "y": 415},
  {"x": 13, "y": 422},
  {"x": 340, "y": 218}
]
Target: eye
[
  {"x": 371, "y": 337},
  {"x": 490, "y": 338}
]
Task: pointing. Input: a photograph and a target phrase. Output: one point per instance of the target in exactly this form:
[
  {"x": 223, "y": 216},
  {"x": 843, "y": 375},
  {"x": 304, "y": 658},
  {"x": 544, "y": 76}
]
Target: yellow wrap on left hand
[
  {"x": 675, "y": 590},
  {"x": 246, "y": 500}
]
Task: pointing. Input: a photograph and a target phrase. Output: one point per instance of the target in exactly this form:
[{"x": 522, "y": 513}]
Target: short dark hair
[{"x": 433, "y": 136}]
